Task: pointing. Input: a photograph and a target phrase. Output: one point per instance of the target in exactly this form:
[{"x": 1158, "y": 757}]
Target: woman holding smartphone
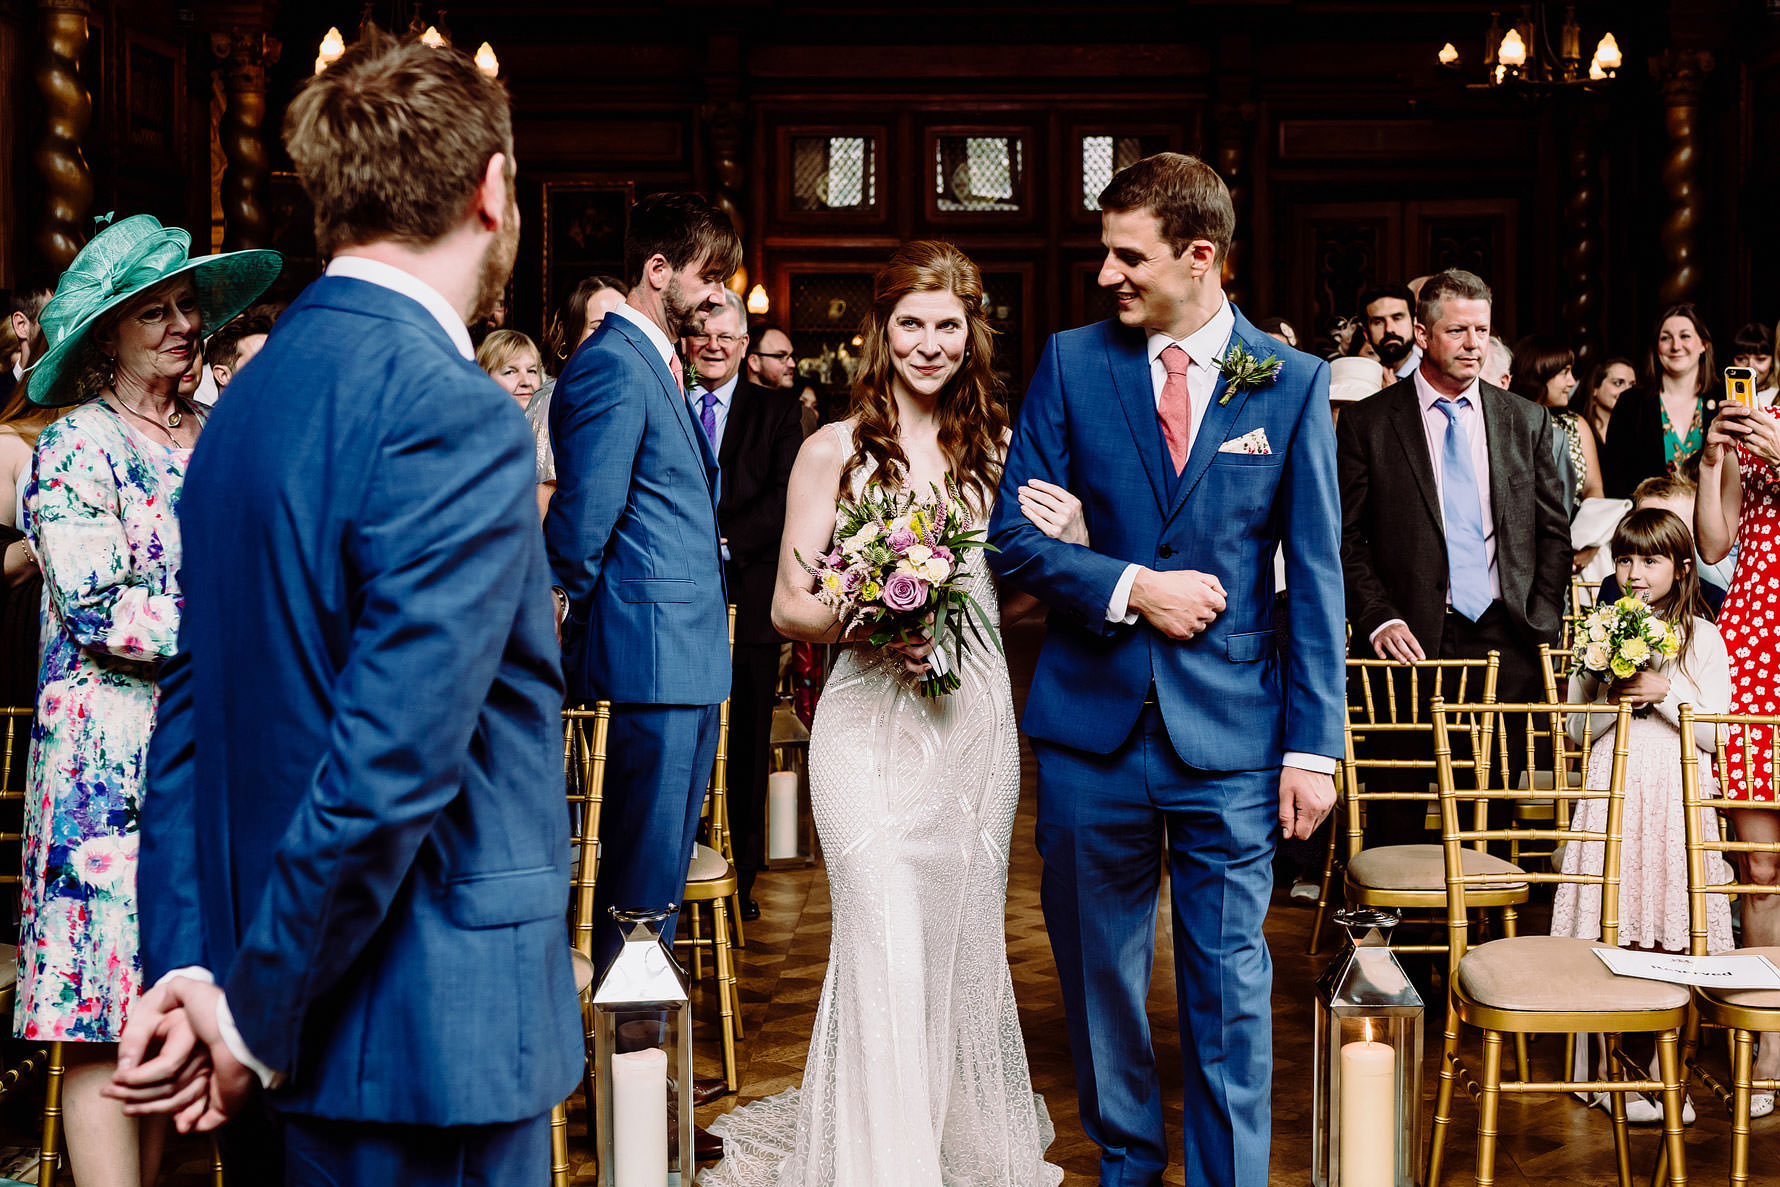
[{"x": 1739, "y": 501}]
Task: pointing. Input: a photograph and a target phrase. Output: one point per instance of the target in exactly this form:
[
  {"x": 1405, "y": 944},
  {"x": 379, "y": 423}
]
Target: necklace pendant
[{"x": 173, "y": 419}]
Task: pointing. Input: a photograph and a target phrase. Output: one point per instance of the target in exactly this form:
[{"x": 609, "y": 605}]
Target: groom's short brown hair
[{"x": 1185, "y": 194}]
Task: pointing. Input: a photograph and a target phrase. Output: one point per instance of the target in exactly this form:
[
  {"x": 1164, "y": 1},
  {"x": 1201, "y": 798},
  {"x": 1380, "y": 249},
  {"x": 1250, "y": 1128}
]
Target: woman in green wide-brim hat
[{"x": 98, "y": 511}]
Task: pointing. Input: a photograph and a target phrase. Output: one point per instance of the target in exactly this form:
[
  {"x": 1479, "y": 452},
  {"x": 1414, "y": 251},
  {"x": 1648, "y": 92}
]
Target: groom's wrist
[{"x": 1120, "y": 607}]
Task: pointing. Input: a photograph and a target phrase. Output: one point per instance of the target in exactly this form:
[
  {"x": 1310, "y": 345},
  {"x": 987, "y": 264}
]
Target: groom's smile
[{"x": 1157, "y": 289}]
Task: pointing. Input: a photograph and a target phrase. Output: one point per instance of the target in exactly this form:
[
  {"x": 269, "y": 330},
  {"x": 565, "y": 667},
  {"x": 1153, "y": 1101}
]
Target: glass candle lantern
[
  {"x": 643, "y": 1054},
  {"x": 1367, "y": 1087}
]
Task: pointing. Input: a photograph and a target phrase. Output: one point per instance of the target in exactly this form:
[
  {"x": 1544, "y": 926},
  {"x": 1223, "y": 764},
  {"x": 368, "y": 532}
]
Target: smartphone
[{"x": 1739, "y": 385}]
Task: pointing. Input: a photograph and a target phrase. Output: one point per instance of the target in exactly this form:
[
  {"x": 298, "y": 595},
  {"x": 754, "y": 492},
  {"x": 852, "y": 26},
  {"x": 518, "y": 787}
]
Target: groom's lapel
[
  {"x": 1215, "y": 427},
  {"x": 1129, "y": 362}
]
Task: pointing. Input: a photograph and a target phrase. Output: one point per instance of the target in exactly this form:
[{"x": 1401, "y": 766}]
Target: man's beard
[
  {"x": 497, "y": 263},
  {"x": 684, "y": 319},
  {"x": 1391, "y": 350}
]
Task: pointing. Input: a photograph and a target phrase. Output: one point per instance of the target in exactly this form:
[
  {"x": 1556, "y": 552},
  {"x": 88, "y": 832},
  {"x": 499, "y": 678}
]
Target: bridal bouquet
[
  {"x": 897, "y": 567},
  {"x": 1616, "y": 640}
]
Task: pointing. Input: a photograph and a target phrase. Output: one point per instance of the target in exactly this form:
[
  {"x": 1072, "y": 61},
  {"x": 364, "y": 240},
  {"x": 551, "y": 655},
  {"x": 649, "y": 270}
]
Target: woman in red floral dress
[{"x": 1739, "y": 501}]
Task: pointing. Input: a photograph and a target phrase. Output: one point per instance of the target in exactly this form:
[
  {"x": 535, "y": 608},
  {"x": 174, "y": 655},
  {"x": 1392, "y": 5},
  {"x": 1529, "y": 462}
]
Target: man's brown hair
[
  {"x": 683, "y": 228},
  {"x": 1185, "y": 194},
  {"x": 392, "y": 139}
]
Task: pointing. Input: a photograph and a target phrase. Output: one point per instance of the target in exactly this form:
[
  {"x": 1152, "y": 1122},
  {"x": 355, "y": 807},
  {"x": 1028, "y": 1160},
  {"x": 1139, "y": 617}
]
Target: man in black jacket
[
  {"x": 757, "y": 435},
  {"x": 1454, "y": 538}
]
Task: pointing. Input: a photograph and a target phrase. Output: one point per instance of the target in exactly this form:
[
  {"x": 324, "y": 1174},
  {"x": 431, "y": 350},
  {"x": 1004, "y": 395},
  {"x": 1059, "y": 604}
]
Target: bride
[{"x": 917, "y": 1070}]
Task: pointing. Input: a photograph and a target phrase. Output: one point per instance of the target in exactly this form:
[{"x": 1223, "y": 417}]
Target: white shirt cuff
[
  {"x": 1119, "y": 609},
  {"x": 1373, "y": 637},
  {"x": 1321, "y": 764},
  {"x": 225, "y": 1022}
]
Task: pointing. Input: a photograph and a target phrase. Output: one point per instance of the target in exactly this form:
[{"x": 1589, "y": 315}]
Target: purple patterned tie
[{"x": 707, "y": 416}]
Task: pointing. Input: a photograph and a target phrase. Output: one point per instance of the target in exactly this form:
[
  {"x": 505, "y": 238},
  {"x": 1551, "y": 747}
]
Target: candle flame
[
  {"x": 433, "y": 37},
  {"x": 1449, "y": 54},
  {"x": 486, "y": 61},
  {"x": 1368, "y": 1025},
  {"x": 758, "y": 302},
  {"x": 1607, "y": 53},
  {"x": 332, "y": 46},
  {"x": 1513, "y": 51}
]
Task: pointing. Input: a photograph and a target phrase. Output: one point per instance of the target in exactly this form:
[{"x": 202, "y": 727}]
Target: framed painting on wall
[{"x": 584, "y": 225}]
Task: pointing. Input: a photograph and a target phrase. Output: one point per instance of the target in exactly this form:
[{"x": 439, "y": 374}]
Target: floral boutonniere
[
  {"x": 1244, "y": 372},
  {"x": 689, "y": 367}
]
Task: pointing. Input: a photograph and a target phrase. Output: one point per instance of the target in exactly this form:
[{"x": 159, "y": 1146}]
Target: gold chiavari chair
[
  {"x": 1555, "y": 775},
  {"x": 1529, "y": 985},
  {"x": 1744, "y": 1013},
  {"x": 584, "y": 737},
  {"x": 1583, "y": 595},
  {"x": 1389, "y": 700}
]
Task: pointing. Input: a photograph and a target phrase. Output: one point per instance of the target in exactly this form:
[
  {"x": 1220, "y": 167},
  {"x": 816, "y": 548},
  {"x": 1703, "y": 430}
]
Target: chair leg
[
  {"x": 698, "y": 949},
  {"x": 735, "y": 906},
  {"x": 1622, "y": 1146},
  {"x": 51, "y": 1156},
  {"x": 1742, "y": 1073},
  {"x": 1322, "y": 893},
  {"x": 1669, "y": 1060},
  {"x": 1449, "y": 1053},
  {"x": 1489, "y": 1098},
  {"x": 559, "y": 1145},
  {"x": 216, "y": 1166},
  {"x": 589, "y": 1097},
  {"x": 727, "y": 1006}
]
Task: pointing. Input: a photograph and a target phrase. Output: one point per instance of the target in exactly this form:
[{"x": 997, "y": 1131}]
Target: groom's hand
[
  {"x": 1180, "y": 604},
  {"x": 1305, "y": 798}
]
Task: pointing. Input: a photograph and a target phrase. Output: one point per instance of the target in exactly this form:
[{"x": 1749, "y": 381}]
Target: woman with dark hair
[
  {"x": 1542, "y": 372},
  {"x": 1663, "y": 423},
  {"x": 917, "y": 1071},
  {"x": 1599, "y": 394},
  {"x": 1753, "y": 347},
  {"x": 581, "y": 315}
]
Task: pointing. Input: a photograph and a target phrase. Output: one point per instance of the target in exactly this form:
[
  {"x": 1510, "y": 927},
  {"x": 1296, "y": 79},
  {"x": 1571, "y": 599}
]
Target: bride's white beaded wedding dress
[{"x": 917, "y": 1072}]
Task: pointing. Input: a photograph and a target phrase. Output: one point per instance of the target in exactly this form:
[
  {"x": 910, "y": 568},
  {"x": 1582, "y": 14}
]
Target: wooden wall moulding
[
  {"x": 154, "y": 100},
  {"x": 979, "y": 175},
  {"x": 829, "y": 175},
  {"x": 1348, "y": 140},
  {"x": 584, "y": 225},
  {"x": 67, "y": 196},
  {"x": 1096, "y": 151},
  {"x": 600, "y": 140}
]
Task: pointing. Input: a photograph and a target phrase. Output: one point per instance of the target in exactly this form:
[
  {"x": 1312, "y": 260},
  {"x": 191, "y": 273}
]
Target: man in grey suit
[{"x": 1454, "y": 539}]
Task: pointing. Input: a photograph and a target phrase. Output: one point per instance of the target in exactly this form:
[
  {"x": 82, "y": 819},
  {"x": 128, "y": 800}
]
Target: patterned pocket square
[{"x": 1254, "y": 442}]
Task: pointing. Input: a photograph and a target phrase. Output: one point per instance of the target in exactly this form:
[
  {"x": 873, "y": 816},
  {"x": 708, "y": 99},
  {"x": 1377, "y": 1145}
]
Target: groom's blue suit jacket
[
  {"x": 354, "y": 813},
  {"x": 1233, "y": 698}
]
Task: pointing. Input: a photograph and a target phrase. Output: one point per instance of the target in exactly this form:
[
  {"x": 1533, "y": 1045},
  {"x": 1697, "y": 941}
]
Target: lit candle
[
  {"x": 781, "y": 800},
  {"x": 640, "y": 1118},
  {"x": 1368, "y": 1113}
]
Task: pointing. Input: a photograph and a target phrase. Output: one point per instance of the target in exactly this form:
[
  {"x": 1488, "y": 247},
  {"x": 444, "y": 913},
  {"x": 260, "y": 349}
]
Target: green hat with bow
[{"x": 123, "y": 261}]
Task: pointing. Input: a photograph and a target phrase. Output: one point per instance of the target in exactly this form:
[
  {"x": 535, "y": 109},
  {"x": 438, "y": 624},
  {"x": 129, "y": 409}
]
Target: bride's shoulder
[{"x": 830, "y": 445}]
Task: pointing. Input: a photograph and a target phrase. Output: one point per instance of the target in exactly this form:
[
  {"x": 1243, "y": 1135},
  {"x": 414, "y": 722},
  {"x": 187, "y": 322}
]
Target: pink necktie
[
  {"x": 679, "y": 372},
  {"x": 1175, "y": 409}
]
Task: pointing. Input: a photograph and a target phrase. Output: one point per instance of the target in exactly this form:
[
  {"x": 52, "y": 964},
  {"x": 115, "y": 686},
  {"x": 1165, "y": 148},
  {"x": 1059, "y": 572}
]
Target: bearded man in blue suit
[{"x": 1169, "y": 722}]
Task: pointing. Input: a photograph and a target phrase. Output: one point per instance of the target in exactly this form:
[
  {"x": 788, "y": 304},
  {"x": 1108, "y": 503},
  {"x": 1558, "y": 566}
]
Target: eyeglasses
[
  {"x": 726, "y": 341},
  {"x": 779, "y": 355}
]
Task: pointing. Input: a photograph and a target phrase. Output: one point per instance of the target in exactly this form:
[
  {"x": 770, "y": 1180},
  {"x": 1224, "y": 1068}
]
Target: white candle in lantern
[
  {"x": 1368, "y": 1113},
  {"x": 640, "y": 1118},
  {"x": 781, "y": 800}
]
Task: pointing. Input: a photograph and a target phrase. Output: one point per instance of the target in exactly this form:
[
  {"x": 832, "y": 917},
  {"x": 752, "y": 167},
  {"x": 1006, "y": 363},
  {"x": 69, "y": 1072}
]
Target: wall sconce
[
  {"x": 433, "y": 37},
  {"x": 332, "y": 46},
  {"x": 758, "y": 303},
  {"x": 1449, "y": 55},
  {"x": 487, "y": 62}
]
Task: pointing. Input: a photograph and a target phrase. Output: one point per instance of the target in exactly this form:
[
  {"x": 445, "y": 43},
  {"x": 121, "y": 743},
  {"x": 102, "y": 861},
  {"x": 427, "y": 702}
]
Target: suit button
[{"x": 1165, "y": 552}]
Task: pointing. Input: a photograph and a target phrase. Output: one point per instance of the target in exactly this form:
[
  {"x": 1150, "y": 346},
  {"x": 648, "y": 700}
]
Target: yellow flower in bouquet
[{"x": 1634, "y": 650}]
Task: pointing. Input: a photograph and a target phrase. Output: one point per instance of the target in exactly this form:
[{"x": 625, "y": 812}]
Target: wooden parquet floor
[{"x": 1544, "y": 1140}]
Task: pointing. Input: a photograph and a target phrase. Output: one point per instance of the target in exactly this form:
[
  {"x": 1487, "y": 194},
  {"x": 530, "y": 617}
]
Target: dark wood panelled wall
[{"x": 830, "y": 133}]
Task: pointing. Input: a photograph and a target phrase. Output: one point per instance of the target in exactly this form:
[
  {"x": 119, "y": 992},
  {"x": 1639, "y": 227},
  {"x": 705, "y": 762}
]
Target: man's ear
[
  {"x": 1422, "y": 336},
  {"x": 221, "y": 374},
  {"x": 657, "y": 271},
  {"x": 491, "y": 193}
]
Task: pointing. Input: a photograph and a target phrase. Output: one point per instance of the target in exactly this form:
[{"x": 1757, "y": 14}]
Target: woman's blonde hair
[{"x": 502, "y": 345}]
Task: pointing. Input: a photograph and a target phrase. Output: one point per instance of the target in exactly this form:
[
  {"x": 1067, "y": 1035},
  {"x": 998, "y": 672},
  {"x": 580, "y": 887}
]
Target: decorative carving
[
  {"x": 67, "y": 110},
  {"x": 1582, "y": 242},
  {"x": 1346, "y": 260},
  {"x": 724, "y": 122},
  {"x": 1234, "y": 124},
  {"x": 1683, "y": 77},
  {"x": 245, "y": 54}
]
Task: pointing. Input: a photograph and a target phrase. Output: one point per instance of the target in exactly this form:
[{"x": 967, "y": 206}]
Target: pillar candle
[
  {"x": 1368, "y": 1114},
  {"x": 781, "y": 799},
  {"x": 640, "y": 1118}
]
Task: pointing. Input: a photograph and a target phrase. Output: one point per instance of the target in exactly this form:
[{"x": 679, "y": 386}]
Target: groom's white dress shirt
[{"x": 1205, "y": 347}]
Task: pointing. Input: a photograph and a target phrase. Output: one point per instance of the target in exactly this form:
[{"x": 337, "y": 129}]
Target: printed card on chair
[{"x": 1746, "y": 970}]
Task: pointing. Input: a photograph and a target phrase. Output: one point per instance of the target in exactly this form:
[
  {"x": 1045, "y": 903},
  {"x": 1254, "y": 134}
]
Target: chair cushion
[
  {"x": 707, "y": 865},
  {"x": 583, "y": 971},
  {"x": 1557, "y": 974},
  {"x": 1419, "y": 867},
  {"x": 1749, "y": 999}
]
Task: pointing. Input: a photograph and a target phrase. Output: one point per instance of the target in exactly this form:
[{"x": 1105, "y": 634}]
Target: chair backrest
[
  {"x": 1748, "y": 741},
  {"x": 1387, "y": 698},
  {"x": 584, "y": 734},
  {"x": 1473, "y": 785},
  {"x": 15, "y": 751},
  {"x": 1583, "y": 595}
]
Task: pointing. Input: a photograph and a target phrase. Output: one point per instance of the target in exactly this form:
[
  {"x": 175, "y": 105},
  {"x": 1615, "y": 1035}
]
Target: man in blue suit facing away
[
  {"x": 354, "y": 846},
  {"x": 1165, "y": 721},
  {"x": 633, "y": 543}
]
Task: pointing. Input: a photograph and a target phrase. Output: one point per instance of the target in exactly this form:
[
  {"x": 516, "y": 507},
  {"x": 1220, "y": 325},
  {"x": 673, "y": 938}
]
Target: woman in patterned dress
[
  {"x": 123, "y": 327},
  {"x": 1739, "y": 501}
]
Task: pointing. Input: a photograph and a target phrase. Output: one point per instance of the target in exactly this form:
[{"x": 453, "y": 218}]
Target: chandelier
[
  {"x": 1524, "y": 54},
  {"x": 437, "y": 35}
]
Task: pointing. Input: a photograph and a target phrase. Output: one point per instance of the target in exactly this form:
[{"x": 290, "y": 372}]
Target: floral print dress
[{"x": 99, "y": 510}]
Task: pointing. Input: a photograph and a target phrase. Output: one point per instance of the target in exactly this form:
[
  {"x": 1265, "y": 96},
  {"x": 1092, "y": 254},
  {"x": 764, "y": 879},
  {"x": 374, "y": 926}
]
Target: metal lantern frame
[
  {"x": 644, "y": 986},
  {"x": 1365, "y": 997}
]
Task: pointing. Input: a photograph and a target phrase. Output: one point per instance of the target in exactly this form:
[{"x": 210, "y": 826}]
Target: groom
[{"x": 1206, "y": 739}]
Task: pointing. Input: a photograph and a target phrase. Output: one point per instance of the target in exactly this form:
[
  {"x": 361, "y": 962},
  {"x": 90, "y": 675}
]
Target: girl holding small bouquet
[{"x": 1660, "y": 661}]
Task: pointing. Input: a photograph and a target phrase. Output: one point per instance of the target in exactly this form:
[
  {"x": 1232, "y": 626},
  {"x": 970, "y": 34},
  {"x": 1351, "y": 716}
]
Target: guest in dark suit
[
  {"x": 633, "y": 541},
  {"x": 353, "y": 836},
  {"x": 1454, "y": 540},
  {"x": 757, "y": 432}
]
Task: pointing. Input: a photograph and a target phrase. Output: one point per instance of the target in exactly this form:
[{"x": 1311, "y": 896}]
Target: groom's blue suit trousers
[{"x": 1105, "y": 824}]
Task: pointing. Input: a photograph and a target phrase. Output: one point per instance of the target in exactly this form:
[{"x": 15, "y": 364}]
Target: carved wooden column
[
  {"x": 1683, "y": 77},
  {"x": 1234, "y": 127},
  {"x": 67, "y": 202},
  {"x": 245, "y": 54},
  {"x": 725, "y": 118},
  {"x": 1582, "y": 254}
]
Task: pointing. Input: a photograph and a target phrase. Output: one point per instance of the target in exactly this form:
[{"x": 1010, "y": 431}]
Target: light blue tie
[{"x": 1466, "y": 561}]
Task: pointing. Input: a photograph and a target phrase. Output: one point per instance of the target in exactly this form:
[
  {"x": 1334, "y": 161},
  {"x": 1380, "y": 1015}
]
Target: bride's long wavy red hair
[{"x": 972, "y": 418}]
